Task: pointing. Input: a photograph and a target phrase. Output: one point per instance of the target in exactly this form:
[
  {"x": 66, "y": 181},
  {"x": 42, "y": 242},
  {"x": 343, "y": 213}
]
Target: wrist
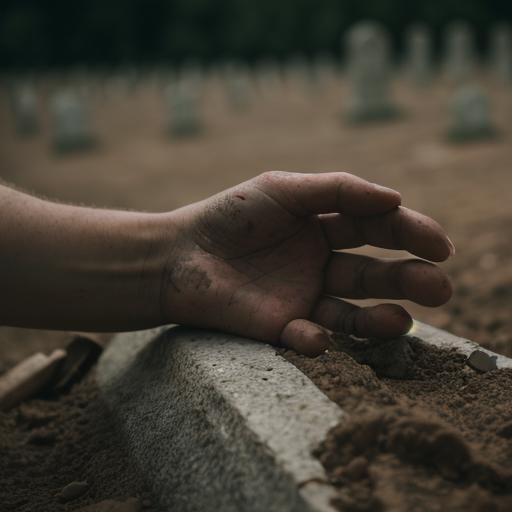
[{"x": 159, "y": 238}]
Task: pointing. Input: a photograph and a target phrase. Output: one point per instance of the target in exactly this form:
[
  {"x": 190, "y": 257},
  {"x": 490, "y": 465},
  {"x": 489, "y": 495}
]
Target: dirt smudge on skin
[{"x": 440, "y": 439}]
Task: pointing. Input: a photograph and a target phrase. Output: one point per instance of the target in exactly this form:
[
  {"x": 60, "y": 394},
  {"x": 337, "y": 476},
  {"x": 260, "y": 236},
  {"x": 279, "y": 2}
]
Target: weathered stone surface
[
  {"x": 481, "y": 362},
  {"x": 218, "y": 422},
  {"x": 71, "y": 129},
  {"x": 369, "y": 70},
  {"x": 25, "y": 108},
  {"x": 238, "y": 86},
  {"x": 501, "y": 52},
  {"x": 471, "y": 116},
  {"x": 184, "y": 119},
  {"x": 419, "y": 55},
  {"x": 443, "y": 339},
  {"x": 460, "y": 57},
  {"x": 221, "y": 423}
]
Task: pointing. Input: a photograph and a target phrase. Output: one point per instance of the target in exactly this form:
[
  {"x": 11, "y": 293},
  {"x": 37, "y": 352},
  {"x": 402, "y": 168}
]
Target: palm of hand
[{"x": 257, "y": 264}]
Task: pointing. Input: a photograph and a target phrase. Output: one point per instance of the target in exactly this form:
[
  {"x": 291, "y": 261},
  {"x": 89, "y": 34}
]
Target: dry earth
[{"x": 465, "y": 187}]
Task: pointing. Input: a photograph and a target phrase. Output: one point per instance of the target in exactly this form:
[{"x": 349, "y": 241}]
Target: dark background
[{"x": 36, "y": 33}]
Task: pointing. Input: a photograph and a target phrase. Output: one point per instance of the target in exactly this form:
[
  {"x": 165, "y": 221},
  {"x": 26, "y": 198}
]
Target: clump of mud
[{"x": 425, "y": 433}]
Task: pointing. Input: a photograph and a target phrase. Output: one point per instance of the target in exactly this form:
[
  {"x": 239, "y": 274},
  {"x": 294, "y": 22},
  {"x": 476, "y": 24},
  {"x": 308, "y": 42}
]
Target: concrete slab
[
  {"x": 217, "y": 422},
  {"x": 444, "y": 339},
  {"x": 221, "y": 423}
]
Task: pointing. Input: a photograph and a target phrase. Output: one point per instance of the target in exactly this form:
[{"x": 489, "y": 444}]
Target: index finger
[{"x": 306, "y": 194}]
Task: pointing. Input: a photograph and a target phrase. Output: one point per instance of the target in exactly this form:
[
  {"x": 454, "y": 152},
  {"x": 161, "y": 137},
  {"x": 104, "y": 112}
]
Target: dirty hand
[{"x": 263, "y": 260}]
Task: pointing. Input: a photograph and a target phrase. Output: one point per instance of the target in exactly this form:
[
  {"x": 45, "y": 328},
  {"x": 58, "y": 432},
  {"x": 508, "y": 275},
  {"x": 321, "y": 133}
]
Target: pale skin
[{"x": 263, "y": 259}]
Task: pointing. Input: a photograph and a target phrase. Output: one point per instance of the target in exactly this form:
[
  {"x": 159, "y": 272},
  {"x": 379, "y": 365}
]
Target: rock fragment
[
  {"x": 389, "y": 358},
  {"x": 72, "y": 491},
  {"x": 481, "y": 361}
]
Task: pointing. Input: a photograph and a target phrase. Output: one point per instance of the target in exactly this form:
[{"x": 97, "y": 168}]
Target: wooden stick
[{"x": 28, "y": 377}]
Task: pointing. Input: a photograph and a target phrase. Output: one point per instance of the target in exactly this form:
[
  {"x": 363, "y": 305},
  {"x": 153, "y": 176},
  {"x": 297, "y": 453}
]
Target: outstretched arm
[
  {"x": 261, "y": 259},
  {"x": 68, "y": 267}
]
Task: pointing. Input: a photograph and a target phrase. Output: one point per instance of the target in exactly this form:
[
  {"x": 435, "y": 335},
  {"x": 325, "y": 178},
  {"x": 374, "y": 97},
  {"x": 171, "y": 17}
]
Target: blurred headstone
[
  {"x": 131, "y": 78},
  {"x": 71, "y": 130},
  {"x": 268, "y": 74},
  {"x": 501, "y": 52},
  {"x": 25, "y": 109},
  {"x": 471, "y": 116},
  {"x": 184, "y": 119},
  {"x": 238, "y": 86},
  {"x": 460, "y": 58},
  {"x": 369, "y": 69},
  {"x": 193, "y": 75},
  {"x": 419, "y": 55}
]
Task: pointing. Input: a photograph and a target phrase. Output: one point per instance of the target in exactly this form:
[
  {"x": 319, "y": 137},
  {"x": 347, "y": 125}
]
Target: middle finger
[{"x": 354, "y": 276}]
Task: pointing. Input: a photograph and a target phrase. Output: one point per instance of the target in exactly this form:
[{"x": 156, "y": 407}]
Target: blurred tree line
[{"x": 46, "y": 33}]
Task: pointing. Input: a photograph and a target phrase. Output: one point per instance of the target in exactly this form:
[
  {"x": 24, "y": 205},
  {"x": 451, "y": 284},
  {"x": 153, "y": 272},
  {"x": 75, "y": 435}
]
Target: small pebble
[
  {"x": 42, "y": 437},
  {"x": 481, "y": 361},
  {"x": 506, "y": 431},
  {"x": 73, "y": 490}
]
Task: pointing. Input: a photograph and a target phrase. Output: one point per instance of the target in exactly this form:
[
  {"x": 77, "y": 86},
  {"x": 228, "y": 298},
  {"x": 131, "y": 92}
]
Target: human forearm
[
  {"x": 263, "y": 259},
  {"x": 70, "y": 267}
]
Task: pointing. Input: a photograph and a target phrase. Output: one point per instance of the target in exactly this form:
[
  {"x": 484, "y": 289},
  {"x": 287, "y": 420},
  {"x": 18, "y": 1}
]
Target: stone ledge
[
  {"x": 221, "y": 423},
  {"x": 444, "y": 339},
  {"x": 217, "y": 422}
]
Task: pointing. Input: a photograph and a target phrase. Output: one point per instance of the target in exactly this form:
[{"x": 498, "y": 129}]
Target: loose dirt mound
[
  {"x": 439, "y": 440},
  {"x": 45, "y": 445}
]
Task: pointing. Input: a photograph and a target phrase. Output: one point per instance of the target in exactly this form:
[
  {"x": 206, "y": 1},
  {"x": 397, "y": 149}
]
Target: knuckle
[
  {"x": 271, "y": 176},
  {"x": 361, "y": 274},
  {"x": 344, "y": 175},
  {"x": 348, "y": 322},
  {"x": 396, "y": 276},
  {"x": 268, "y": 175}
]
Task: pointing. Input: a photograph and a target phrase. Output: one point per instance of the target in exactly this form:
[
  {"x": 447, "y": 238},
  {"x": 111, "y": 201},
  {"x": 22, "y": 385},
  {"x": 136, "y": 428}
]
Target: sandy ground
[
  {"x": 439, "y": 440},
  {"x": 289, "y": 127}
]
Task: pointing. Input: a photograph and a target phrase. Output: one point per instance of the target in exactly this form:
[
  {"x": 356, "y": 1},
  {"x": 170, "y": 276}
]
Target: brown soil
[
  {"x": 439, "y": 440},
  {"x": 47, "y": 444},
  {"x": 465, "y": 187}
]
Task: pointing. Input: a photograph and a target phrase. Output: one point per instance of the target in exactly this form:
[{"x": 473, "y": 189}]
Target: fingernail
[
  {"x": 389, "y": 192},
  {"x": 385, "y": 190},
  {"x": 450, "y": 246}
]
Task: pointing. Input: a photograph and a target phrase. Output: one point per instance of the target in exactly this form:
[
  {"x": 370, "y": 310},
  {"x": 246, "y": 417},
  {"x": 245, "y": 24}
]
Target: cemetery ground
[{"x": 47, "y": 444}]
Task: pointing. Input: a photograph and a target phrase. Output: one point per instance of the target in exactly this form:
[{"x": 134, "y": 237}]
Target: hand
[{"x": 262, "y": 260}]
